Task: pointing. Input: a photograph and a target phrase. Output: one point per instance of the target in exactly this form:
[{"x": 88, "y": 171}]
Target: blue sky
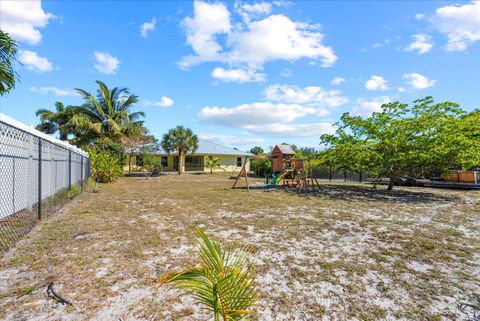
[{"x": 245, "y": 73}]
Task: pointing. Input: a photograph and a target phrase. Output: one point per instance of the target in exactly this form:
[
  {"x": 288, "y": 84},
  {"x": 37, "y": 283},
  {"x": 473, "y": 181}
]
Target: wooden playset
[{"x": 287, "y": 171}]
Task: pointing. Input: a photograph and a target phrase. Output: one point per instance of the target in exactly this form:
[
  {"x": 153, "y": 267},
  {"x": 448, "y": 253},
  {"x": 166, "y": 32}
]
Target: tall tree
[
  {"x": 106, "y": 118},
  {"x": 307, "y": 153},
  {"x": 56, "y": 121},
  {"x": 257, "y": 150},
  {"x": 133, "y": 144},
  {"x": 183, "y": 141},
  {"x": 465, "y": 140},
  {"x": 8, "y": 50},
  {"x": 397, "y": 140}
]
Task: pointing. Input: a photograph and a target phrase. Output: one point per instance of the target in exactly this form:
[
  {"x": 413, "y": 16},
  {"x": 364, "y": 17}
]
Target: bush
[
  {"x": 262, "y": 166},
  {"x": 151, "y": 163},
  {"x": 74, "y": 191},
  {"x": 104, "y": 166}
]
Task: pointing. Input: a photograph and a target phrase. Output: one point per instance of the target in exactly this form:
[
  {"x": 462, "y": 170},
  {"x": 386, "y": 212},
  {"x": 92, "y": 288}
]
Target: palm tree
[
  {"x": 212, "y": 163},
  {"x": 182, "y": 140},
  {"x": 8, "y": 49},
  {"x": 223, "y": 283},
  {"x": 59, "y": 120},
  {"x": 106, "y": 118}
]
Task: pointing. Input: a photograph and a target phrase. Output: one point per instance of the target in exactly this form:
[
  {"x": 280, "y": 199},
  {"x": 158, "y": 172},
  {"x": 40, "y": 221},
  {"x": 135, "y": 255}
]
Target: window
[
  {"x": 164, "y": 161},
  {"x": 239, "y": 162}
]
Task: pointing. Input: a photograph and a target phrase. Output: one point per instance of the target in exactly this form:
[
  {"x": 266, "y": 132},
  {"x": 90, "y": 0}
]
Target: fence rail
[{"x": 36, "y": 173}]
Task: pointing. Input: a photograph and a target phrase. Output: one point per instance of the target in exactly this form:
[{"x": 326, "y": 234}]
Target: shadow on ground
[{"x": 354, "y": 193}]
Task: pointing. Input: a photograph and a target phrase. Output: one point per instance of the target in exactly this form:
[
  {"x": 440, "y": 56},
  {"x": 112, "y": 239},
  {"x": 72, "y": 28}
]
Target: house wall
[{"x": 227, "y": 163}]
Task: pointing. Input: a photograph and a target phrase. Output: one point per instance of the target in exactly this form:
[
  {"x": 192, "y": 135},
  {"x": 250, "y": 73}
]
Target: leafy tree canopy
[
  {"x": 8, "y": 50},
  {"x": 400, "y": 139},
  {"x": 257, "y": 150}
]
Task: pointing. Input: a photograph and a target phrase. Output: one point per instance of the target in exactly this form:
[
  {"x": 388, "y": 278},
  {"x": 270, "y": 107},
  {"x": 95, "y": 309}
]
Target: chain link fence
[
  {"x": 37, "y": 171},
  {"x": 333, "y": 174}
]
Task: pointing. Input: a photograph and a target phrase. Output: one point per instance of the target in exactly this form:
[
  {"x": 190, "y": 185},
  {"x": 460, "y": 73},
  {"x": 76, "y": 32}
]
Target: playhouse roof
[
  {"x": 204, "y": 148},
  {"x": 286, "y": 149}
]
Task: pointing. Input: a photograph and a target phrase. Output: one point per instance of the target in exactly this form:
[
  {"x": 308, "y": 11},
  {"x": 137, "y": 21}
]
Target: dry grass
[{"x": 348, "y": 253}]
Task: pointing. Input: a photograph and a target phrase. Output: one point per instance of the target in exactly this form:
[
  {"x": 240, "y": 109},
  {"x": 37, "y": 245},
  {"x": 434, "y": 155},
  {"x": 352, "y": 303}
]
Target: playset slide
[{"x": 275, "y": 179}]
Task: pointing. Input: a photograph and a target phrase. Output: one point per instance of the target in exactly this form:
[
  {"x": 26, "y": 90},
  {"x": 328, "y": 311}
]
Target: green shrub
[
  {"x": 152, "y": 164},
  {"x": 73, "y": 192},
  {"x": 262, "y": 166},
  {"x": 91, "y": 185},
  {"x": 104, "y": 166}
]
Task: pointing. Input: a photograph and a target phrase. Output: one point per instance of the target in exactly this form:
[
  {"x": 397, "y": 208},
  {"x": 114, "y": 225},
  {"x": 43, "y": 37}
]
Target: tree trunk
[
  {"x": 63, "y": 136},
  {"x": 211, "y": 170},
  {"x": 181, "y": 160},
  {"x": 330, "y": 174},
  {"x": 129, "y": 163},
  {"x": 391, "y": 175}
]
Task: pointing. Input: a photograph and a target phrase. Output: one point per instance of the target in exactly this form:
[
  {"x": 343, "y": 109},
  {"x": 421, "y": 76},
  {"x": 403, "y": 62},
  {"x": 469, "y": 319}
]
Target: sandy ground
[{"x": 349, "y": 252}]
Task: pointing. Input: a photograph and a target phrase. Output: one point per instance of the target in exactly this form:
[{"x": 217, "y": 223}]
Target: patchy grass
[{"x": 348, "y": 253}]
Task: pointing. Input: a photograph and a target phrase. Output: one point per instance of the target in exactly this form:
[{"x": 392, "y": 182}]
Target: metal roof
[
  {"x": 286, "y": 149},
  {"x": 204, "y": 148}
]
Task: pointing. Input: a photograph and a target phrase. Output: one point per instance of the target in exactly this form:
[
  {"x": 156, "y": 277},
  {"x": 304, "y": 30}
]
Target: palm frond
[{"x": 223, "y": 283}]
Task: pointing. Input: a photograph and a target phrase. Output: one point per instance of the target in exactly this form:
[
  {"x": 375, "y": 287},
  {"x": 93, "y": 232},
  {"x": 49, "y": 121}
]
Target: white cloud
[
  {"x": 207, "y": 22},
  {"x": 230, "y": 140},
  {"x": 251, "y": 43},
  {"x": 266, "y": 118},
  {"x": 259, "y": 113},
  {"x": 33, "y": 61},
  {"x": 106, "y": 63},
  {"x": 237, "y": 75},
  {"x": 337, "y": 81},
  {"x": 311, "y": 95},
  {"x": 401, "y": 89},
  {"x": 366, "y": 107},
  {"x": 418, "y": 81},
  {"x": 292, "y": 130},
  {"x": 164, "y": 102},
  {"x": 461, "y": 24},
  {"x": 422, "y": 43},
  {"x": 279, "y": 38},
  {"x": 147, "y": 27},
  {"x": 286, "y": 73},
  {"x": 54, "y": 90},
  {"x": 376, "y": 83},
  {"x": 419, "y": 16},
  {"x": 252, "y": 10},
  {"x": 22, "y": 20},
  {"x": 384, "y": 43}
]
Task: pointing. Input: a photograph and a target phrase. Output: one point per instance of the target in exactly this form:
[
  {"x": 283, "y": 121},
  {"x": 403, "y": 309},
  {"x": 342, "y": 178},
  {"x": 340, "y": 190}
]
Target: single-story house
[{"x": 230, "y": 159}]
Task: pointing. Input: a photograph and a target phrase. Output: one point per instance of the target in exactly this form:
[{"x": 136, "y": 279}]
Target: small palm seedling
[
  {"x": 212, "y": 164},
  {"x": 223, "y": 283}
]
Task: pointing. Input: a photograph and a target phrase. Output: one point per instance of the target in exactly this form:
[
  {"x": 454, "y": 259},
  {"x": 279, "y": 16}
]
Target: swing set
[{"x": 287, "y": 172}]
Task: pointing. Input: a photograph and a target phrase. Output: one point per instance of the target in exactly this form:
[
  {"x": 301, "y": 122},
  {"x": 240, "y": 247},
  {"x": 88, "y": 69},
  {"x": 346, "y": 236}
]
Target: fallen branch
[
  {"x": 472, "y": 311},
  {"x": 52, "y": 294},
  {"x": 80, "y": 234}
]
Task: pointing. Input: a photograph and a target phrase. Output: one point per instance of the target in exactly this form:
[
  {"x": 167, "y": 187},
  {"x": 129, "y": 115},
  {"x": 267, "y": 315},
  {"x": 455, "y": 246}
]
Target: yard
[{"x": 348, "y": 253}]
